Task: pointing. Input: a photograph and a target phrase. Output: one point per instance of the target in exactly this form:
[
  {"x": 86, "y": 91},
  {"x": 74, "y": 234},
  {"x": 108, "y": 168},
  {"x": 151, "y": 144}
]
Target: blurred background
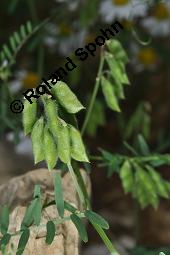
[{"x": 65, "y": 26}]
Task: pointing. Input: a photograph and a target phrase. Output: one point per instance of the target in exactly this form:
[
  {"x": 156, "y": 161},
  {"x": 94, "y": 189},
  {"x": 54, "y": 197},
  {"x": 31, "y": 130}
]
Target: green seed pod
[
  {"x": 50, "y": 149},
  {"x": 77, "y": 147},
  {"x": 29, "y": 116},
  {"x": 51, "y": 112},
  {"x": 37, "y": 140},
  {"x": 63, "y": 143},
  {"x": 66, "y": 97}
]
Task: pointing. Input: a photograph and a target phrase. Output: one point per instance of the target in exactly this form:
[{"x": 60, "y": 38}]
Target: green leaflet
[
  {"x": 77, "y": 147},
  {"x": 29, "y": 116},
  {"x": 5, "y": 240},
  {"x": 66, "y": 97},
  {"x": 109, "y": 95},
  {"x": 144, "y": 148},
  {"x": 139, "y": 192},
  {"x": 38, "y": 205},
  {"x": 160, "y": 186},
  {"x": 63, "y": 143},
  {"x": 50, "y": 232},
  {"x": 51, "y": 113},
  {"x": 96, "y": 218},
  {"x": 59, "y": 194},
  {"x": 50, "y": 149},
  {"x": 80, "y": 227},
  {"x": 37, "y": 137},
  {"x": 31, "y": 216},
  {"x": 23, "y": 241},
  {"x": 148, "y": 193},
  {"x": 4, "y": 220},
  {"x": 126, "y": 175},
  {"x": 69, "y": 207},
  {"x": 33, "y": 212}
]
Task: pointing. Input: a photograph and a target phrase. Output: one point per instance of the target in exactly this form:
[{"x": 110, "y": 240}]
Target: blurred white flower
[
  {"x": 72, "y": 4},
  {"x": 122, "y": 9},
  {"x": 16, "y": 84},
  {"x": 64, "y": 38},
  {"x": 67, "y": 45},
  {"x": 143, "y": 58},
  {"x": 23, "y": 79},
  {"x": 159, "y": 23},
  {"x": 24, "y": 147}
]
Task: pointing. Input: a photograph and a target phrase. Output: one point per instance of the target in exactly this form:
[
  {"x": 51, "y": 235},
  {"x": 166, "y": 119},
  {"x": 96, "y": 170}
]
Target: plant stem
[
  {"x": 105, "y": 239},
  {"x": 82, "y": 185},
  {"x": 79, "y": 191},
  {"x": 96, "y": 88}
]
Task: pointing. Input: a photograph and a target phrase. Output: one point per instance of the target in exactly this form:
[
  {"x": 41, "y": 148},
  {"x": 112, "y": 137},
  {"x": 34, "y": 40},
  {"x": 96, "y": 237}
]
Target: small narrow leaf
[
  {"x": 37, "y": 191},
  {"x": 29, "y": 27},
  {"x": 159, "y": 182},
  {"x": 23, "y": 32},
  {"x": 4, "y": 220},
  {"x": 5, "y": 240},
  {"x": 126, "y": 175},
  {"x": 143, "y": 146},
  {"x": 148, "y": 191},
  {"x": 69, "y": 207},
  {"x": 7, "y": 51},
  {"x": 38, "y": 205},
  {"x": 59, "y": 194},
  {"x": 80, "y": 227},
  {"x": 23, "y": 241},
  {"x": 96, "y": 218},
  {"x": 12, "y": 43},
  {"x": 50, "y": 232},
  {"x": 17, "y": 38}
]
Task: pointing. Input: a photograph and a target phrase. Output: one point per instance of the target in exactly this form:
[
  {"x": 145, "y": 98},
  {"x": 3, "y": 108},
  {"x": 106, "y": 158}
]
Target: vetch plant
[{"x": 55, "y": 136}]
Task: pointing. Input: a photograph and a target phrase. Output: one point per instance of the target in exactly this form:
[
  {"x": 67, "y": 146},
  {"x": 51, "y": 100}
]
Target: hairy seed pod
[
  {"x": 50, "y": 149},
  {"x": 77, "y": 147},
  {"x": 63, "y": 143},
  {"x": 51, "y": 113},
  {"x": 37, "y": 140},
  {"x": 29, "y": 116},
  {"x": 66, "y": 97}
]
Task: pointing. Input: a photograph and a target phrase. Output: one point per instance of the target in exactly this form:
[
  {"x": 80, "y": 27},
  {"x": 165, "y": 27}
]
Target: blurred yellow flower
[
  {"x": 161, "y": 11},
  {"x": 127, "y": 24},
  {"x": 30, "y": 80},
  {"x": 120, "y": 2},
  {"x": 147, "y": 56},
  {"x": 65, "y": 29},
  {"x": 89, "y": 38}
]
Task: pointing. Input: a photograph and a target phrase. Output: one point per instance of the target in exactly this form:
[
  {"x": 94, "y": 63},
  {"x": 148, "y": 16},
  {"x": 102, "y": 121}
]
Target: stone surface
[{"x": 19, "y": 191}]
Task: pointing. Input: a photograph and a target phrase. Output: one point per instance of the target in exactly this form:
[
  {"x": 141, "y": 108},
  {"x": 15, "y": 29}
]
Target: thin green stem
[
  {"x": 82, "y": 185},
  {"x": 93, "y": 98},
  {"x": 79, "y": 191},
  {"x": 105, "y": 239}
]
